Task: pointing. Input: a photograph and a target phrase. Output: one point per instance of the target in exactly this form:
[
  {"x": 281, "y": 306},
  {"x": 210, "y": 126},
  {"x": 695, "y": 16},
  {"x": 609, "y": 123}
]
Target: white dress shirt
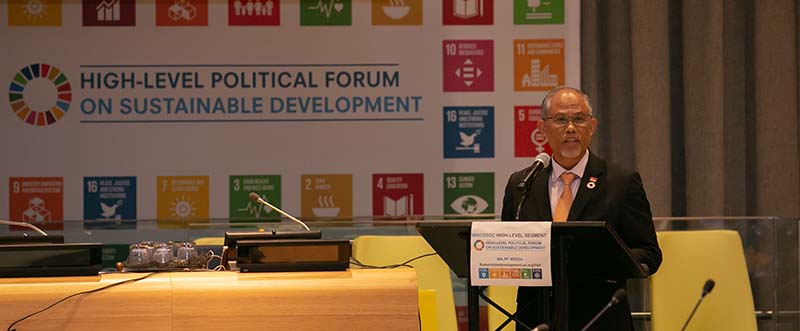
[{"x": 556, "y": 185}]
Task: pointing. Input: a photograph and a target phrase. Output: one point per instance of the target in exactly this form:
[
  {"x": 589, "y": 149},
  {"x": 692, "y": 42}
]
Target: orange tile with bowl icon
[
  {"x": 326, "y": 196},
  {"x": 396, "y": 12}
]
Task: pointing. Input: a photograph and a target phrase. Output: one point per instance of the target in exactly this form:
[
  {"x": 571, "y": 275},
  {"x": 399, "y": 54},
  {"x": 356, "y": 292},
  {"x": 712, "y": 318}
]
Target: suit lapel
[
  {"x": 542, "y": 194},
  {"x": 594, "y": 168}
]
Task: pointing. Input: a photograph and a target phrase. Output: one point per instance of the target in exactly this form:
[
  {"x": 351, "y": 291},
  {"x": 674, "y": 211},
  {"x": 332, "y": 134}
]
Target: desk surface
[{"x": 357, "y": 299}]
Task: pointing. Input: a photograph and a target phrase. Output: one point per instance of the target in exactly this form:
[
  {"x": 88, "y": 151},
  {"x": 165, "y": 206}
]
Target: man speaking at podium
[{"x": 579, "y": 186}]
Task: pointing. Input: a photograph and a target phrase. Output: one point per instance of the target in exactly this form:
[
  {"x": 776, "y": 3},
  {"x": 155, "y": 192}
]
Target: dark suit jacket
[{"x": 617, "y": 198}]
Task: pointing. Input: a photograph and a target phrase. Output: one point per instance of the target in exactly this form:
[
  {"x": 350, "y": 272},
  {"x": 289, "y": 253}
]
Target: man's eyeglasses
[{"x": 579, "y": 119}]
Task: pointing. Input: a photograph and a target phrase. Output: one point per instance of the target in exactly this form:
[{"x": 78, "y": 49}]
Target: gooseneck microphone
[
  {"x": 618, "y": 297},
  {"x": 254, "y": 197},
  {"x": 541, "y": 327},
  {"x": 27, "y": 225},
  {"x": 542, "y": 161},
  {"x": 707, "y": 287}
]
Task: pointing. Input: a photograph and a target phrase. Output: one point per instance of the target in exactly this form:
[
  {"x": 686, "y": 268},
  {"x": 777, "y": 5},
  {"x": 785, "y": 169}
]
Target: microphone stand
[
  {"x": 526, "y": 188},
  {"x": 692, "y": 314},
  {"x": 27, "y": 225},
  {"x": 618, "y": 297},
  {"x": 522, "y": 200},
  {"x": 255, "y": 197},
  {"x": 709, "y": 285},
  {"x": 544, "y": 310},
  {"x": 594, "y": 319},
  {"x": 542, "y": 161}
]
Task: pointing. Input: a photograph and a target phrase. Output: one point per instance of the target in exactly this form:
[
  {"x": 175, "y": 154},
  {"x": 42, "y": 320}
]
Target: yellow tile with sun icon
[
  {"x": 34, "y": 12},
  {"x": 181, "y": 200}
]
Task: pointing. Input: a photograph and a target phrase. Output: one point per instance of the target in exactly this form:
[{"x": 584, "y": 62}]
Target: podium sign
[{"x": 510, "y": 254}]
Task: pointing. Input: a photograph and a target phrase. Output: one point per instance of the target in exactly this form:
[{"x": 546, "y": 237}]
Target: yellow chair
[
  {"x": 209, "y": 241},
  {"x": 690, "y": 258},
  {"x": 432, "y": 272},
  {"x": 427, "y": 310},
  {"x": 506, "y": 297}
]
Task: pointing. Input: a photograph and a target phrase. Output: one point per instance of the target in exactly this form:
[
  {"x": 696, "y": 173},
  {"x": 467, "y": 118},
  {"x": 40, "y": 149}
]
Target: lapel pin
[{"x": 592, "y": 183}]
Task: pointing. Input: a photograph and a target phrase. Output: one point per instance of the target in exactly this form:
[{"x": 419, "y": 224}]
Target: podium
[{"x": 580, "y": 249}]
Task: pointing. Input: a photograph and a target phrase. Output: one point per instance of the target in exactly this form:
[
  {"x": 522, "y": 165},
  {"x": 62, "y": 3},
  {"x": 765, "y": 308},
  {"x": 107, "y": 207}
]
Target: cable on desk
[
  {"x": 356, "y": 262},
  {"x": 11, "y": 327}
]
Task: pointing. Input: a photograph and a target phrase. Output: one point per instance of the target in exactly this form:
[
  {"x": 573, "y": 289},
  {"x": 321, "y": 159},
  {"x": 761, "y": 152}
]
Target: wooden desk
[{"x": 357, "y": 299}]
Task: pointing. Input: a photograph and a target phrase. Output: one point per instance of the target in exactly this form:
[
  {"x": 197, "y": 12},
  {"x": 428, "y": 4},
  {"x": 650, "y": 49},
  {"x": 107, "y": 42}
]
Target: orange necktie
[{"x": 565, "y": 201}]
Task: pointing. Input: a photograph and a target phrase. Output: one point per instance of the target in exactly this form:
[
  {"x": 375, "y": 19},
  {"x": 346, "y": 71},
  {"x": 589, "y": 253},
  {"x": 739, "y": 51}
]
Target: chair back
[
  {"x": 209, "y": 241},
  {"x": 432, "y": 272},
  {"x": 506, "y": 297},
  {"x": 690, "y": 258}
]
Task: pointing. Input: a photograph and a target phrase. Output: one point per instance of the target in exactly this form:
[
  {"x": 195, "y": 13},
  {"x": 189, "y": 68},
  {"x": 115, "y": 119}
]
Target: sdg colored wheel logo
[{"x": 40, "y": 94}]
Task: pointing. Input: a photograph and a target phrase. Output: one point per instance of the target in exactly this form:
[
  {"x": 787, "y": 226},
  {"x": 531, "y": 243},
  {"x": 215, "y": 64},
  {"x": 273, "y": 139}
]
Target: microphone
[
  {"x": 542, "y": 161},
  {"x": 707, "y": 287},
  {"x": 541, "y": 327},
  {"x": 254, "y": 197},
  {"x": 27, "y": 225},
  {"x": 618, "y": 297}
]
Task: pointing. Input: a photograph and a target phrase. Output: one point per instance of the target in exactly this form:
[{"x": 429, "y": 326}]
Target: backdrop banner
[{"x": 177, "y": 109}]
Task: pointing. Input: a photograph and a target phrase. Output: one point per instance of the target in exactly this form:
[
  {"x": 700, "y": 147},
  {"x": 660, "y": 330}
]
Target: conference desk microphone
[
  {"x": 254, "y": 197},
  {"x": 707, "y": 287},
  {"x": 287, "y": 252},
  {"x": 27, "y": 225},
  {"x": 618, "y": 297},
  {"x": 540, "y": 162}
]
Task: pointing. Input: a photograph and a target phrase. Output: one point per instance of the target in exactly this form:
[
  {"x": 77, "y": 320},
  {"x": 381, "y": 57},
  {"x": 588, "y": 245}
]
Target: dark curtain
[{"x": 702, "y": 98}]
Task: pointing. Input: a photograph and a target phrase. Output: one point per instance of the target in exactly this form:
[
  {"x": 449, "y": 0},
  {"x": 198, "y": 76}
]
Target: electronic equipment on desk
[
  {"x": 171, "y": 256},
  {"x": 283, "y": 251},
  {"x": 31, "y": 239},
  {"x": 46, "y": 256},
  {"x": 293, "y": 255},
  {"x": 229, "y": 247}
]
